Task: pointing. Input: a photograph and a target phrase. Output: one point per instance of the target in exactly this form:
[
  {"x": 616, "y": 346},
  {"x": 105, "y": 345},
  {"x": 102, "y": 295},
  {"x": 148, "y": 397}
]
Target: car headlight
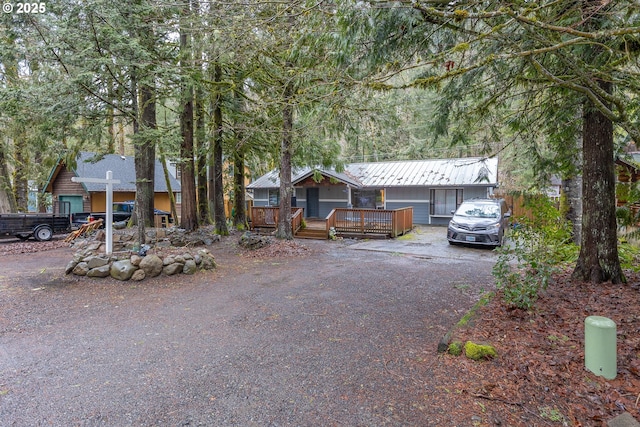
[
  {"x": 453, "y": 224},
  {"x": 494, "y": 227}
]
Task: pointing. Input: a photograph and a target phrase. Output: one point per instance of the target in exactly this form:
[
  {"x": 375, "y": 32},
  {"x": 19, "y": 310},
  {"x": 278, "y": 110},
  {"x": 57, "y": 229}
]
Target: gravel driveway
[{"x": 343, "y": 336}]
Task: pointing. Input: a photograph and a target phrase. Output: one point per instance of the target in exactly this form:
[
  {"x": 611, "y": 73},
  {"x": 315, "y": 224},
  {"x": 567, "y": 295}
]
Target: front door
[{"x": 313, "y": 202}]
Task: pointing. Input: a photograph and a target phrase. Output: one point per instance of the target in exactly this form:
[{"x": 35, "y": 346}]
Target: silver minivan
[{"x": 479, "y": 222}]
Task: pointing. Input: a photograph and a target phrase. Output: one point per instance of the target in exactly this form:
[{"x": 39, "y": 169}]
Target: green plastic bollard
[{"x": 600, "y": 346}]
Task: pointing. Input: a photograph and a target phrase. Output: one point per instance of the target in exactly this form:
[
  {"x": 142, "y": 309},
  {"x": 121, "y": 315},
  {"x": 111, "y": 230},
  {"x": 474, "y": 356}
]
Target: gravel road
[{"x": 344, "y": 335}]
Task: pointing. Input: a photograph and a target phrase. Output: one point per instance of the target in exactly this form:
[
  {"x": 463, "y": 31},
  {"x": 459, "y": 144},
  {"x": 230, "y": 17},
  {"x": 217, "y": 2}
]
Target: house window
[
  {"x": 445, "y": 201},
  {"x": 364, "y": 199},
  {"x": 177, "y": 170},
  {"x": 274, "y": 197}
]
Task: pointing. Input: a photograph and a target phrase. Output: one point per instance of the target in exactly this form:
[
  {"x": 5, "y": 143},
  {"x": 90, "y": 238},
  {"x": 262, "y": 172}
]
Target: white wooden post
[
  {"x": 109, "y": 181},
  {"x": 109, "y": 219}
]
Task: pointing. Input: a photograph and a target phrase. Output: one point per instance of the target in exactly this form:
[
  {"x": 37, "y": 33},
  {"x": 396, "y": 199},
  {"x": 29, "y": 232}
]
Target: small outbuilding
[
  {"x": 434, "y": 188},
  {"x": 87, "y": 197}
]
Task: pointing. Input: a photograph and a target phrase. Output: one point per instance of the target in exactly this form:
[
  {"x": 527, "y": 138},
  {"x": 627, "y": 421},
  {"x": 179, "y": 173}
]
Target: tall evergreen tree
[
  {"x": 189, "y": 216},
  {"x": 299, "y": 77},
  {"x": 529, "y": 68}
]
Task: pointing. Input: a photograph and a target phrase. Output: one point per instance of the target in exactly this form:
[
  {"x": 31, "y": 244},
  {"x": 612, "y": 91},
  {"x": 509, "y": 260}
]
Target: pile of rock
[
  {"x": 251, "y": 240},
  {"x": 131, "y": 262},
  {"x": 131, "y": 266}
]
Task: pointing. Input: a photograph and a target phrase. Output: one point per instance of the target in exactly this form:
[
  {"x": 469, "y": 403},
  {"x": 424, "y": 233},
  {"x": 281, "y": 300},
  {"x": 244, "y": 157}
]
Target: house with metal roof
[
  {"x": 433, "y": 188},
  {"x": 91, "y": 197}
]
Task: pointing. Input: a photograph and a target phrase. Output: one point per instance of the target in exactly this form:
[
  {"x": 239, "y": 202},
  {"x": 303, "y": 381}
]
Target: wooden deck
[{"x": 358, "y": 223}]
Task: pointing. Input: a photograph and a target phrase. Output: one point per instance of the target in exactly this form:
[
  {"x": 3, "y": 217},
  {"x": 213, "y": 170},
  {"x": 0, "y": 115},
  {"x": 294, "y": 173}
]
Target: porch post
[
  {"x": 349, "y": 204},
  {"x": 384, "y": 198}
]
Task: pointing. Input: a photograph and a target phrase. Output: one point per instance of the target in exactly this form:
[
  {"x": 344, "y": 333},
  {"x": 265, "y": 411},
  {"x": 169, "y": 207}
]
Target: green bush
[
  {"x": 629, "y": 255},
  {"x": 537, "y": 248}
]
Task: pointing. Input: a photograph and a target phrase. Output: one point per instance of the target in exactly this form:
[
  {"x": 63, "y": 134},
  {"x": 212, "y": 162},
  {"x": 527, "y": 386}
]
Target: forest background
[{"x": 548, "y": 86}]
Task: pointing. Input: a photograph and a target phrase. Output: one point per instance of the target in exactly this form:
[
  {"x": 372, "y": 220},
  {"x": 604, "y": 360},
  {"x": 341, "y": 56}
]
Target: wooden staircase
[
  {"x": 312, "y": 233},
  {"x": 315, "y": 228}
]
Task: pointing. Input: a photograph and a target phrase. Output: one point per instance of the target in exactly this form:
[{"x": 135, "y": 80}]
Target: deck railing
[
  {"x": 363, "y": 222},
  {"x": 264, "y": 216},
  {"x": 296, "y": 219},
  {"x": 267, "y": 217},
  {"x": 392, "y": 223}
]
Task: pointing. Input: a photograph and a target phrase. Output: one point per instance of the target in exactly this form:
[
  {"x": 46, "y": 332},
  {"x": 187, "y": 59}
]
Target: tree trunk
[
  {"x": 286, "y": 147},
  {"x": 218, "y": 184},
  {"x": 202, "y": 161},
  {"x": 202, "y": 153},
  {"x": 110, "y": 118},
  {"x": 20, "y": 175},
  {"x": 572, "y": 193},
  {"x": 7, "y": 199},
  {"x": 145, "y": 156},
  {"x": 598, "y": 260},
  {"x": 239, "y": 201},
  {"x": 189, "y": 213}
]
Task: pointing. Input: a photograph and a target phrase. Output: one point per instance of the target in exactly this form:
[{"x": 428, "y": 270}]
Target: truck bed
[{"x": 24, "y": 224}]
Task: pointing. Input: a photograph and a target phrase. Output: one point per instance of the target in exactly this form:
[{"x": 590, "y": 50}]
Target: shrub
[{"x": 538, "y": 246}]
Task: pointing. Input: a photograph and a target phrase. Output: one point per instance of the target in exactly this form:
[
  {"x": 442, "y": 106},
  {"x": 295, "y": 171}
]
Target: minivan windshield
[{"x": 479, "y": 210}]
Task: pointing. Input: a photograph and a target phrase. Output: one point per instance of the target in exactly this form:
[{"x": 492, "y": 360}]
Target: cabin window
[
  {"x": 445, "y": 201},
  {"x": 274, "y": 197},
  {"x": 366, "y": 199},
  {"x": 178, "y": 170}
]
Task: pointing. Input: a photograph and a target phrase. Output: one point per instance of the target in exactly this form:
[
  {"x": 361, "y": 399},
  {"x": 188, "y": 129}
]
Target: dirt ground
[{"x": 301, "y": 334}]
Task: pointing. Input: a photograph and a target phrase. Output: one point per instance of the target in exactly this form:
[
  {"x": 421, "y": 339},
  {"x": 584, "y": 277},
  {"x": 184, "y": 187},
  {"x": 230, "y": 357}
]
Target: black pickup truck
[
  {"x": 41, "y": 226},
  {"x": 121, "y": 212}
]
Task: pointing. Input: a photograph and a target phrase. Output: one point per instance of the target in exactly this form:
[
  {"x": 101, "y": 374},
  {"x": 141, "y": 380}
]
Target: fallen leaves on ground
[
  {"x": 13, "y": 247},
  {"x": 279, "y": 248},
  {"x": 539, "y": 377}
]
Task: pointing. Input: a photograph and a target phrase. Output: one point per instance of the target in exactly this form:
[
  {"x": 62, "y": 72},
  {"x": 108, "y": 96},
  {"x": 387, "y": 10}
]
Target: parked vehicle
[
  {"x": 479, "y": 222},
  {"x": 121, "y": 212},
  {"x": 41, "y": 226}
]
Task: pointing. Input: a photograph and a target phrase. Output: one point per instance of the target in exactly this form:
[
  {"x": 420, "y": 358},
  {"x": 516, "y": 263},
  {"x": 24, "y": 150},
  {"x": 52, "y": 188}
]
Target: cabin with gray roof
[
  {"x": 433, "y": 188},
  {"x": 91, "y": 197}
]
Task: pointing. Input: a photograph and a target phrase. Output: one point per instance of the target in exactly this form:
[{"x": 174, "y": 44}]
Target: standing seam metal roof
[{"x": 410, "y": 173}]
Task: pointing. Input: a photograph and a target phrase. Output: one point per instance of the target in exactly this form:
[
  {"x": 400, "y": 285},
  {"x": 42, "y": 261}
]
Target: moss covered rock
[
  {"x": 455, "y": 348},
  {"x": 479, "y": 351}
]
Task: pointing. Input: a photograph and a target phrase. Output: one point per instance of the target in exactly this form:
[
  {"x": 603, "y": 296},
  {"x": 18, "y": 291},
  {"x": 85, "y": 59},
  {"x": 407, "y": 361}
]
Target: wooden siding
[
  {"x": 63, "y": 186},
  {"x": 417, "y": 197},
  {"x": 310, "y": 182},
  {"x": 99, "y": 200},
  {"x": 335, "y": 197},
  {"x": 261, "y": 197},
  {"x": 331, "y": 197}
]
